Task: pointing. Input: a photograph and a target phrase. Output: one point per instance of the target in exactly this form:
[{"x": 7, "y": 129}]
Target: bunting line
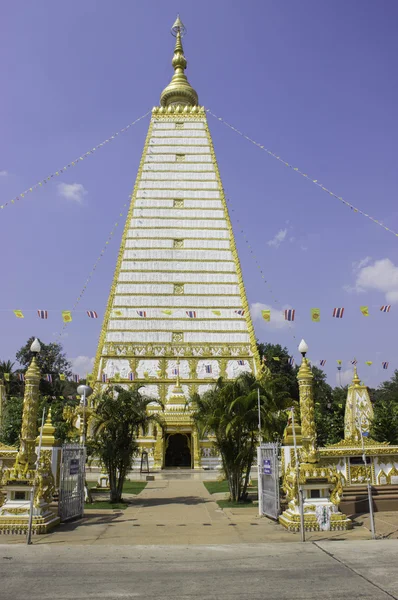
[
  {"x": 266, "y": 282},
  {"x": 93, "y": 269},
  {"x": 307, "y": 177},
  {"x": 73, "y": 163}
]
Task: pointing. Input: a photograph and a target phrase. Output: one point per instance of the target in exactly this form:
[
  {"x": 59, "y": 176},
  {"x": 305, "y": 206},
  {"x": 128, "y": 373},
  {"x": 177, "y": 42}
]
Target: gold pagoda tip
[
  {"x": 355, "y": 379},
  {"x": 179, "y": 90}
]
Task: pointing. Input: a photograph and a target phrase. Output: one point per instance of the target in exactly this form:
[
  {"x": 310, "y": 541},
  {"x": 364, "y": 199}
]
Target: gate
[
  {"x": 268, "y": 480},
  {"x": 71, "y": 482}
]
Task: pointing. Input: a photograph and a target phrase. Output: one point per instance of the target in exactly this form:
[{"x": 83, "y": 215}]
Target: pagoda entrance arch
[{"x": 178, "y": 450}]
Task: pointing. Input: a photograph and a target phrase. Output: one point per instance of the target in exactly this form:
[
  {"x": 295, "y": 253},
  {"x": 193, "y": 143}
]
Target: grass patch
[
  {"x": 134, "y": 487},
  {"x": 101, "y": 505},
  {"x": 216, "y": 487},
  {"x": 230, "y": 504},
  {"x": 129, "y": 487}
]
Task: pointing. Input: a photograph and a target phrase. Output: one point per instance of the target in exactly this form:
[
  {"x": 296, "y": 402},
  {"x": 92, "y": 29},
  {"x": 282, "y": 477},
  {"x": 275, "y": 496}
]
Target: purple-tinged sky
[{"x": 314, "y": 81}]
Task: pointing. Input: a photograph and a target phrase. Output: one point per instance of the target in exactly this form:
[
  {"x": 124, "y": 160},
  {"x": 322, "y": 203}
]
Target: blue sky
[{"x": 314, "y": 81}]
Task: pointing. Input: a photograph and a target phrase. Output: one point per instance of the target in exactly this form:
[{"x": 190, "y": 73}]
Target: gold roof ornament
[
  {"x": 358, "y": 410},
  {"x": 179, "y": 90}
]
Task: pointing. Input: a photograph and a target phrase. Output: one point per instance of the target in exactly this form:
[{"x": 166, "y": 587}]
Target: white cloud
[
  {"x": 81, "y": 365},
  {"x": 3, "y": 173},
  {"x": 277, "y": 316},
  {"x": 361, "y": 263},
  {"x": 381, "y": 275},
  {"x": 72, "y": 191},
  {"x": 344, "y": 378},
  {"x": 278, "y": 238}
]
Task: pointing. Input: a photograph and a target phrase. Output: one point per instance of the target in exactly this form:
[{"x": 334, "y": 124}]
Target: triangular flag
[
  {"x": 118, "y": 313},
  {"x": 167, "y": 312},
  {"x": 369, "y": 362},
  {"x": 276, "y": 358},
  {"x": 62, "y": 376},
  {"x": 216, "y": 312},
  {"x": 66, "y": 316},
  {"x": 315, "y": 315},
  {"x": 19, "y": 314},
  {"x": 266, "y": 315},
  {"x": 6, "y": 376},
  {"x": 365, "y": 310},
  {"x": 339, "y": 362}
]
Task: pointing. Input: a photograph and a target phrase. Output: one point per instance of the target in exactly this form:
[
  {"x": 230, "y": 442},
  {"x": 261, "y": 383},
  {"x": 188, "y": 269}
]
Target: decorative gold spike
[{"x": 179, "y": 91}]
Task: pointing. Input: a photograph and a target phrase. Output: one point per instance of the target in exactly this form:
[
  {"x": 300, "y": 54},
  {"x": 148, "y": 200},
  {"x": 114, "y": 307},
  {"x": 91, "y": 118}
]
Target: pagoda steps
[{"x": 355, "y": 499}]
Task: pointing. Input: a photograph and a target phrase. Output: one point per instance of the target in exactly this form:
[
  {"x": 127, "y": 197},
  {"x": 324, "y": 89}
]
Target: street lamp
[
  {"x": 84, "y": 391},
  {"x": 303, "y": 348}
]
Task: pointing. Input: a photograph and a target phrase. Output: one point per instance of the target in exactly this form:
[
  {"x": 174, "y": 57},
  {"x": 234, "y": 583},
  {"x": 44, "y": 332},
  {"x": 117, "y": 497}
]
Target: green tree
[
  {"x": 56, "y": 394},
  {"x": 385, "y": 423},
  {"x": 230, "y": 411},
  {"x": 284, "y": 377},
  {"x": 117, "y": 424},
  {"x": 12, "y": 421},
  {"x": 329, "y": 415}
]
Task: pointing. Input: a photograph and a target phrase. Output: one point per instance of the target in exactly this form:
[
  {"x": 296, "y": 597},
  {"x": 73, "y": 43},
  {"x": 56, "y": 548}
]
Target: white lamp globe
[
  {"x": 303, "y": 348},
  {"x": 35, "y": 347}
]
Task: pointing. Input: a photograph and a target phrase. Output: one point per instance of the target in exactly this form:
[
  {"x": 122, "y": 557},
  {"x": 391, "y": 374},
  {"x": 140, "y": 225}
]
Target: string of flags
[
  {"x": 307, "y": 177},
  {"x": 323, "y": 361},
  {"x": 73, "y": 163},
  {"x": 66, "y": 314},
  {"x": 48, "y": 377},
  {"x": 288, "y": 314}
]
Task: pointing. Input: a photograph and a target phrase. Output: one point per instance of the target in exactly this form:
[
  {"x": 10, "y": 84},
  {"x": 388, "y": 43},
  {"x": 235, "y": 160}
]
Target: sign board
[
  {"x": 267, "y": 469},
  {"x": 74, "y": 466}
]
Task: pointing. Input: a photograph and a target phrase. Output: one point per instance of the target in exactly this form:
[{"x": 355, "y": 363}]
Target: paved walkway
[{"x": 183, "y": 512}]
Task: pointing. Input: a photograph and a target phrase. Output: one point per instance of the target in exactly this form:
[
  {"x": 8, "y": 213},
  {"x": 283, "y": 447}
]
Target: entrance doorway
[{"x": 178, "y": 450}]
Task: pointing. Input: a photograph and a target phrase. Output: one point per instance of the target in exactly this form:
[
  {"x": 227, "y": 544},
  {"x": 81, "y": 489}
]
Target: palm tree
[
  {"x": 230, "y": 412},
  {"x": 120, "y": 415}
]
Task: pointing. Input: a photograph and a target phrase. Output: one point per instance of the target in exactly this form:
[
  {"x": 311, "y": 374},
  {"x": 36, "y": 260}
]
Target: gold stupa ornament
[
  {"x": 359, "y": 411},
  {"x": 179, "y": 90}
]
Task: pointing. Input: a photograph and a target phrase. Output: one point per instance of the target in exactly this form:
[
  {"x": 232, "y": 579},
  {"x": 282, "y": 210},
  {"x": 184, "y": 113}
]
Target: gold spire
[
  {"x": 355, "y": 379},
  {"x": 179, "y": 90}
]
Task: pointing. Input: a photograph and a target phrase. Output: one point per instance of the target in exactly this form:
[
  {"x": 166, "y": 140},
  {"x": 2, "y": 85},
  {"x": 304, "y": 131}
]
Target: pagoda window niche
[
  {"x": 178, "y": 288},
  {"x": 178, "y": 243},
  {"x": 180, "y": 125},
  {"x": 177, "y": 337},
  {"x": 180, "y": 157},
  {"x": 178, "y": 203}
]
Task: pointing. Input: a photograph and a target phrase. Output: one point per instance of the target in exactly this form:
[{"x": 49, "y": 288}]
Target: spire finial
[
  {"x": 355, "y": 379},
  {"x": 179, "y": 90}
]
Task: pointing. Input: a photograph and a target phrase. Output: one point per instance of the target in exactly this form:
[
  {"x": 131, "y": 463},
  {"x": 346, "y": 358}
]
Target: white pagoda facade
[{"x": 177, "y": 317}]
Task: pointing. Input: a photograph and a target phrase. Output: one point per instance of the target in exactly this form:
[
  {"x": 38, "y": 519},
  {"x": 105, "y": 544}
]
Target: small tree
[
  {"x": 230, "y": 412},
  {"x": 385, "y": 423},
  {"x": 119, "y": 417}
]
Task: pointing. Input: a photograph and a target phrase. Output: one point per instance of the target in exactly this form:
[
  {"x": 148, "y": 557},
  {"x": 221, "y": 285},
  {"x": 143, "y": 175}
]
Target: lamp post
[
  {"x": 28, "y": 420},
  {"x": 84, "y": 391}
]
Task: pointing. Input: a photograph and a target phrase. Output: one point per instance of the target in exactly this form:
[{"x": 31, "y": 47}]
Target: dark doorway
[{"x": 178, "y": 453}]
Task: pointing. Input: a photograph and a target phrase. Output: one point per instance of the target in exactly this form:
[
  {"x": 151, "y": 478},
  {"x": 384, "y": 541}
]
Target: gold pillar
[
  {"x": 3, "y": 398},
  {"x": 158, "y": 449},
  {"x": 25, "y": 462},
  {"x": 307, "y": 411},
  {"x": 195, "y": 449}
]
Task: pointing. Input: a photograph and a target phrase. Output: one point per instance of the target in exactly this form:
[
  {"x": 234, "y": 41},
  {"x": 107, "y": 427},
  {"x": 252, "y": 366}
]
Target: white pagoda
[{"x": 177, "y": 317}]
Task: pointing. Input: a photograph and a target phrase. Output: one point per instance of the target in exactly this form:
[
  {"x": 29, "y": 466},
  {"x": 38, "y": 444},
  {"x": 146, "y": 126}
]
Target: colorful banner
[
  {"x": 66, "y": 316},
  {"x": 266, "y": 315},
  {"x": 315, "y": 315},
  {"x": 19, "y": 314},
  {"x": 364, "y": 310},
  {"x": 314, "y": 181}
]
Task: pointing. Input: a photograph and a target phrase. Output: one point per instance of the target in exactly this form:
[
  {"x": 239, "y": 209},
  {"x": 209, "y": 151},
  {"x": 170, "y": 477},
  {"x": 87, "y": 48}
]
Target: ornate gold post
[
  {"x": 3, "y": 398},
  {"x": 29, "y": 490},
  {"x": 25, "y": 462},
  {"x": 308, "y": 429}
]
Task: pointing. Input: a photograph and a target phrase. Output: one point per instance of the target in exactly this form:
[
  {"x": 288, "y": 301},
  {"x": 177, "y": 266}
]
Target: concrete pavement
[{"x": 363, "y": 570}]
